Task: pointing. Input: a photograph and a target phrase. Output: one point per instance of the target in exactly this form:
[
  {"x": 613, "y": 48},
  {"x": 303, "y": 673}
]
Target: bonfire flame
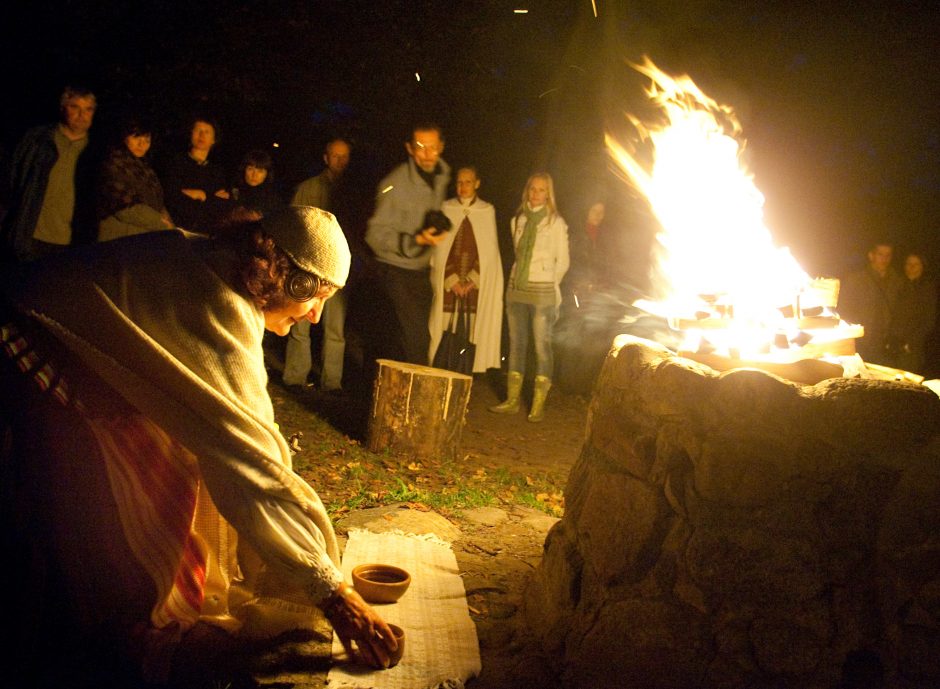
[{"x": 717, "y": 259}]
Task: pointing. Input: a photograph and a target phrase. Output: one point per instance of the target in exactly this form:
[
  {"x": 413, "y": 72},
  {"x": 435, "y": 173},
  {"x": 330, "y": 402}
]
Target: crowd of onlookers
[
  {"x": 436, "y": 273},
  {"x": 433, "y": 266}
]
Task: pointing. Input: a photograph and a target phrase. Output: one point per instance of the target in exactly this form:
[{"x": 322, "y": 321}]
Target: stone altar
[{"x": 740, "y": 530}]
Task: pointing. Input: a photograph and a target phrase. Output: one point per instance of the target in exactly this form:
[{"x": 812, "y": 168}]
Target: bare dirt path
[{"x": 510, "y": 441}]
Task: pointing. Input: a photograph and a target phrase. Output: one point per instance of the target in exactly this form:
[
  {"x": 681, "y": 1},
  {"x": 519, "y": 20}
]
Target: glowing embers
[{"x": 718, "y": 277}]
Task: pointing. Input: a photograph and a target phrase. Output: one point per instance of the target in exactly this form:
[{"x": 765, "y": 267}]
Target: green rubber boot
[
  {"x": 513, "y": 390},
  {"x": 542, "y": 386}
]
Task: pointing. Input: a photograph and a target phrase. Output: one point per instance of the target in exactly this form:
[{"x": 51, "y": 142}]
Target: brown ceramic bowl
[
  {"x": 395, "y": 656},
  {"x": 380, "y": 583}
]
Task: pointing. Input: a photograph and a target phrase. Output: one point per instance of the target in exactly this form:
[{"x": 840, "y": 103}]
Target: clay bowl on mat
[
  {"x": 380, "y": 583},
  {"x": 395, "y": 656}
]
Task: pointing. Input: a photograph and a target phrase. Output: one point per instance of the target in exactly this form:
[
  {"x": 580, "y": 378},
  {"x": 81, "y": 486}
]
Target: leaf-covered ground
[
  {"x": 503, "y": 459},
  {"x": 505, "y": 462}
]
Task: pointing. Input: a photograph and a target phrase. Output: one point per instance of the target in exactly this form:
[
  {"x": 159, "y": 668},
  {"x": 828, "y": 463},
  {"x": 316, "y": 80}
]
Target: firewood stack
[{"x": 812, "y": 343}]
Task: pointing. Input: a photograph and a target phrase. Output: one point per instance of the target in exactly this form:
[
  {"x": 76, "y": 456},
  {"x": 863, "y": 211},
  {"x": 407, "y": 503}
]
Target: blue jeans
[{"x": 539, "y": 321}]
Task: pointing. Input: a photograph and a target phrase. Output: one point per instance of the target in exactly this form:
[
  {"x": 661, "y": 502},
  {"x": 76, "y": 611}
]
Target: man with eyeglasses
[{"x": 401, "y": 238}]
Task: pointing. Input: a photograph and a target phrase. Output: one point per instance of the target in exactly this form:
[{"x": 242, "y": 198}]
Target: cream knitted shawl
[{"x": 156, "y": 318}]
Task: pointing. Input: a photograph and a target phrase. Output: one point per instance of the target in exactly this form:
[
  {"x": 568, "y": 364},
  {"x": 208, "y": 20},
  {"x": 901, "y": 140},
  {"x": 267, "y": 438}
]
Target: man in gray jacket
[
  {"x": 401, "y": 239},
  {"x": 319, "y": 192}
]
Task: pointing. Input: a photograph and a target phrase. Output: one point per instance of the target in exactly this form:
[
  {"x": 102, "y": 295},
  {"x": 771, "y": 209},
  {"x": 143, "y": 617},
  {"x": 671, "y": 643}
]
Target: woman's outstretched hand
[{"x": 360, "y": 629}]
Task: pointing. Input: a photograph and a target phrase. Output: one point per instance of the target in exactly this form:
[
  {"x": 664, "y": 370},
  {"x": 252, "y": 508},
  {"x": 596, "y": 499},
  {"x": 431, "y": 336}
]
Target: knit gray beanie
[{"x": 313, "y": 240}]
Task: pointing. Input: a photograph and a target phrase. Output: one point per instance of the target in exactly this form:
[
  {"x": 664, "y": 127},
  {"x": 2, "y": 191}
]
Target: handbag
[{"x": 455, "y": 351}]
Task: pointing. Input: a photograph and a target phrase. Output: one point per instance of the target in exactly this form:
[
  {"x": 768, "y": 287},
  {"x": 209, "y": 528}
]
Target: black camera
[{"x": 437, "y": 220}]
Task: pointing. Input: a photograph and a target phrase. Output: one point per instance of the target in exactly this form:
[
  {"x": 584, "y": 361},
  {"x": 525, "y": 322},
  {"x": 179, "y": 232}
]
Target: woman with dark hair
[
  {"x": 130, "y": 196},
  {"x": 254, "y": 196},
  {"x": 914, "y": 317},
  {"x": 195, "y": 185},
  {"x": 148, "y": 491}
]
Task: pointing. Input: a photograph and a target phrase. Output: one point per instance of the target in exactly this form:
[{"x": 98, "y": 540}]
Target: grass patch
[
  {"x": 347, "y": 476},
  {"x": 379, "y": 481}
]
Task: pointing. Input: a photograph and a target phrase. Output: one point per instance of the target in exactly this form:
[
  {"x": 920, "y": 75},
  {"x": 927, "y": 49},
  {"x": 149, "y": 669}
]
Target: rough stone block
[
  {"x": 621, "y": 528},
  {"x": 739, "y": 530}
]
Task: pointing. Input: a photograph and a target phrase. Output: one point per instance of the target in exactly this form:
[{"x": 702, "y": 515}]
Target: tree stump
[{"x": 418, "y": 409}]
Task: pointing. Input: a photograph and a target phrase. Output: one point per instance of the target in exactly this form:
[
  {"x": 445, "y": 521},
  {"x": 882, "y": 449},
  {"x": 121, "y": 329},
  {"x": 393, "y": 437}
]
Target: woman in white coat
[
  {"x": 466, "y": 266},
  {"x": 533, "y": 297}
]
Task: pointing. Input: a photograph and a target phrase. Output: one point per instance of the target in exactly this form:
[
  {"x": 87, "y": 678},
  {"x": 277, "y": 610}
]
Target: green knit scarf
[{"x": 526, "y": 243}]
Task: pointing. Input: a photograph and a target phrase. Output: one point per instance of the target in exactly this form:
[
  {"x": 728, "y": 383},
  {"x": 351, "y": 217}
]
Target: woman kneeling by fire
[{"x": 148, "y": 494}]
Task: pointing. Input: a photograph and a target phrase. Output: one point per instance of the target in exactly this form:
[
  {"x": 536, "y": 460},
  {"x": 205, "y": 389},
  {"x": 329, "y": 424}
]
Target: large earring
[{"x": 301, "y": 285}]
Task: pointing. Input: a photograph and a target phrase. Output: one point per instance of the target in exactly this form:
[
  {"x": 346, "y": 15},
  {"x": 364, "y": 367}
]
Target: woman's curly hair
[{"x": 263, "y": 266}]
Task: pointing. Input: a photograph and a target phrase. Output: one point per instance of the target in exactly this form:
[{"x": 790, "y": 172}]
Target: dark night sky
[{"x": 838, "y": 100}]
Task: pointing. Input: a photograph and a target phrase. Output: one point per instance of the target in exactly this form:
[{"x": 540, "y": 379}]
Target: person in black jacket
[
  {"x": 869, "y": 297},
  {"x": 254, "y": 196},
  {"x": 195, "y": 186},
  {"x": 130, "y": 196},
  {"x": 51, "y": 179},
  {"x": 914, "y": 317}
]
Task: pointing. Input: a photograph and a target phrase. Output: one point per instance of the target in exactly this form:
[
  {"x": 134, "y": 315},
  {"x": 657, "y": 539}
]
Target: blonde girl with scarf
[{"x": 533, "y": 296}]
